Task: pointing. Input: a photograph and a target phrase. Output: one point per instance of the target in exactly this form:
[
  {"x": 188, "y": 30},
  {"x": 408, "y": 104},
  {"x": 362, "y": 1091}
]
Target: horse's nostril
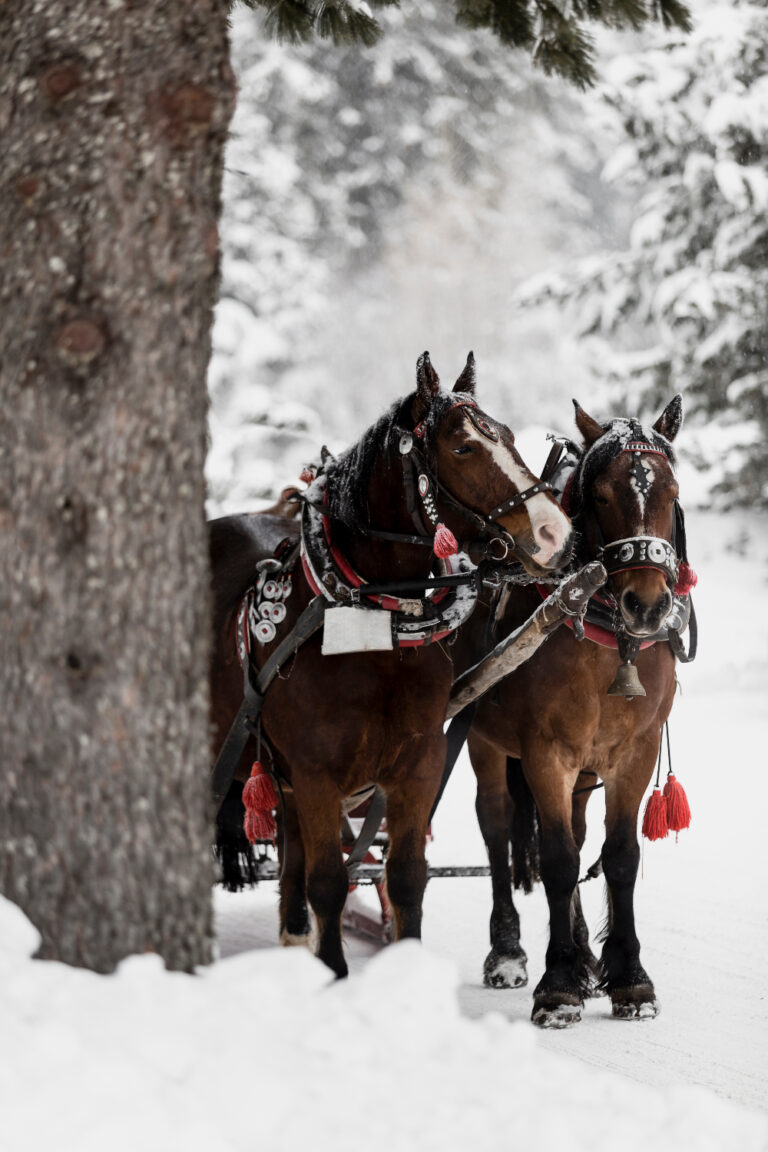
[
  {"x": 663, "y": 605},
  {"x": 632, "y": 603},
  {"x": 546, "y": 535},
  {"x": 641, "y": 611}
]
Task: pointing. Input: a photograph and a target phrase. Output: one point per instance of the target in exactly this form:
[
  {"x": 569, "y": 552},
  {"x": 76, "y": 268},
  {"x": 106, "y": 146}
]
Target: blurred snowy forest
[{"x": 437, "y": 192}]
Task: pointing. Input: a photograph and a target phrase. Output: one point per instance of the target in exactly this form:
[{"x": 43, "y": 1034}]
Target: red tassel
[
  {"x": 260, "y": 826},
  {"x": 686, "y": 580},
  {"x": 444, "y": 544},
  {"x": 655, "y": 826},
  {"x": 678, "y": 808},
  {"x": 259, "y": 798},
  {"x": 307, "y": 474}
]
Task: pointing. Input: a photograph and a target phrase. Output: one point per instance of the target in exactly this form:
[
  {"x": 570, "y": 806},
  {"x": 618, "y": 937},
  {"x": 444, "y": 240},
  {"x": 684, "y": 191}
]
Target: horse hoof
[
  {"x": 556, "y": 1015},
  {"x": 504, "y": 971},
  {"x": 635, "y": 1003},
  {"x": 291, "y": 940}
]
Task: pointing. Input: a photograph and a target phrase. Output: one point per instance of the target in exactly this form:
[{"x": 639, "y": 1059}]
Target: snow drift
[{"x": 265, "y": 1051}]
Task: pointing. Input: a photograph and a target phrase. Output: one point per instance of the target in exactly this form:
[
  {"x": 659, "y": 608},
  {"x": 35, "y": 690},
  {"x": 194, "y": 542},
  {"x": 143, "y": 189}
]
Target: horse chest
[{"x": 357, "y": 711}]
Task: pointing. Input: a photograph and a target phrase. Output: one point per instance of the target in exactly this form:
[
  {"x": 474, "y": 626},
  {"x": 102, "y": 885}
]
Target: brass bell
[{"x": 627, "y": 682}]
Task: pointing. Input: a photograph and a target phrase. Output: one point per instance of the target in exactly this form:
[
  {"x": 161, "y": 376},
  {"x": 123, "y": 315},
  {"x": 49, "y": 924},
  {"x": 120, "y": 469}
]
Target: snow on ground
[{"x": 263, "y": 1051}]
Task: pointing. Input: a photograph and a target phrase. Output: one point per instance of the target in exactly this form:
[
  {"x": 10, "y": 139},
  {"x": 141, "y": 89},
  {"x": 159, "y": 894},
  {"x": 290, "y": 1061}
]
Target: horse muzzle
[
  {"x": 641, "y": 614},
  {"x": 642, "y": 571}
]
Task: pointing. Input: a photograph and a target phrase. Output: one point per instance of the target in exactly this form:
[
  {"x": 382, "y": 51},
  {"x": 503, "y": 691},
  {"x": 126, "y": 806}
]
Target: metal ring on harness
[{"x": 506, "y": 547}]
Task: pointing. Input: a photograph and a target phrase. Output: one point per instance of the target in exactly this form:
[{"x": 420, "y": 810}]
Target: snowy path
[
  {"x": 701, "y": 908},
  {"x": 701, "y": 917},
  {"x": 264, "y": 1050}
]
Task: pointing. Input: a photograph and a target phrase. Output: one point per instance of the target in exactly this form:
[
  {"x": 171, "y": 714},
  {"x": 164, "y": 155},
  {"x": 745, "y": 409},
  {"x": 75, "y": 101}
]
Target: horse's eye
[
  {"x": 600, "y": 500},
  {"x": 463, "y": 450}
]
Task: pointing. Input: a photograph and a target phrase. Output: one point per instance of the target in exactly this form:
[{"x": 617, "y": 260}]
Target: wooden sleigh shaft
[{"x": 570, "y": 598}]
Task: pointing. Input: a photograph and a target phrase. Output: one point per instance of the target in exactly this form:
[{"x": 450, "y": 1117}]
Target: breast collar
[{"x": 417, "y": 620}]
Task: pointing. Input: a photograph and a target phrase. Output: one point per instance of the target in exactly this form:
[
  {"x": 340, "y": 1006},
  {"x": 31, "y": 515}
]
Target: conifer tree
[
  {"x": 687, "y": 301},
  {"x": 555, "y": 34}
]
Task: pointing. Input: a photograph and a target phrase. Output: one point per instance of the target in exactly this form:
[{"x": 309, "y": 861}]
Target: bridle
[
  {"x": 419, "y": 481},
  {"x": 642, "y": 552},
  {"x": 670, "y": 557}
]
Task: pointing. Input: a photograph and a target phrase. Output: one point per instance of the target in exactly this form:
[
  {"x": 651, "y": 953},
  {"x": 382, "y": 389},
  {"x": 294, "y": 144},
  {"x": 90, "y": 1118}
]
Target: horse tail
[
  {"x": 525, "y": 833},
  {"x": 232, "y": 849}
]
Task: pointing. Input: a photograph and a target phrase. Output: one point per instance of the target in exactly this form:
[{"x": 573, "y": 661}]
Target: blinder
[{"x": 481, "y": 424}]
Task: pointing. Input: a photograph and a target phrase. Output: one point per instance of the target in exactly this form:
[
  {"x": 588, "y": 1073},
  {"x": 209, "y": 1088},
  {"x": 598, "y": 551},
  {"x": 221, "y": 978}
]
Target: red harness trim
[
  {"x": 642, "y": 446},
  {"x": 390, "y": 603},
  {"x": 594, "y": 632}
]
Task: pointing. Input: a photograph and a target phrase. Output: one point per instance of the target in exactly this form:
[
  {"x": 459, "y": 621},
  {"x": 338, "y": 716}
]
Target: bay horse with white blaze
[
  {"x": 336, "y": 725},
  {"x": 552, "y": 726}
]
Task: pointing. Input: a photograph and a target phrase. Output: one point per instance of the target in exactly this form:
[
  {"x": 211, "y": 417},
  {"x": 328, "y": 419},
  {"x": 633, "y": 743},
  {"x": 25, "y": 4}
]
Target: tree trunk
[{"x": 113, "y": 118}]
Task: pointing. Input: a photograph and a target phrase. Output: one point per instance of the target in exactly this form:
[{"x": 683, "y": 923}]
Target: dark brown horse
[
  {"x": 337, "y": 724},
  {"x": 554, "y": 720}
]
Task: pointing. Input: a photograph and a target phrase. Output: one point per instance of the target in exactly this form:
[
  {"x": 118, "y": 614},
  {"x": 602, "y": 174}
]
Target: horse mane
[{"x": 349, "y": 475}]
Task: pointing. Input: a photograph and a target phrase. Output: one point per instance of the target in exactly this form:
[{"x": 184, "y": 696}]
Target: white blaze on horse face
[
  {"x": 641, "y": 481},
  {"x": 550, "y": 526}
]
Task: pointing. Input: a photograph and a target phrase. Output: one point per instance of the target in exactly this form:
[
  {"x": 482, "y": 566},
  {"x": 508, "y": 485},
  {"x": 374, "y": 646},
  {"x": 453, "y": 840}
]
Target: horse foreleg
[
  {"x": 624, "y": 978},
  {"x": 581, "y": 798},
  {"x": 318, "y": 806},
  {"x": 295, "y": 927},
  {"x": 560, "y": 994},
  {"x": 505, "y": 964},
  {"x": 408, "y": 807}
]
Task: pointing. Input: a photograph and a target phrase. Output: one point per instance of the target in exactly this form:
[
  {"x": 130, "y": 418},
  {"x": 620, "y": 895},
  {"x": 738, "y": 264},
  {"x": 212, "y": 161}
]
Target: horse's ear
[
  {"x": 466, "y": 382},
  {"x": 589, "y": 428},
  {"x": 669, "y": 423},
  {"x": 427, "y": 385}
]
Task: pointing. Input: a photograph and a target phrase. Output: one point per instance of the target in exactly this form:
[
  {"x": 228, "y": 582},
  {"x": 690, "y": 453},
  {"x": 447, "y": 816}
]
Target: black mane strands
[{"x": 349, "y": 475}]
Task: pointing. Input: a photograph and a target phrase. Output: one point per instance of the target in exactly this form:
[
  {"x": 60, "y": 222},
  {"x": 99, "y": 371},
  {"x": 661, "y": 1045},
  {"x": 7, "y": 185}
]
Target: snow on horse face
[
  {"x": 629, "y": 486},
  {"x": 337, "y": 724},
  {"x": 550, "y": 730}
]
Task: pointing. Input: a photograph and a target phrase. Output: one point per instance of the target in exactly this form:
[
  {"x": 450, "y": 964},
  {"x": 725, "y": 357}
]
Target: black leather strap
[
  {"x": 520, "y": 498},
  {"x": 377, "y": 810},
  {"x": 457, "y": 733},
  {"x": 245, "y": 723}
]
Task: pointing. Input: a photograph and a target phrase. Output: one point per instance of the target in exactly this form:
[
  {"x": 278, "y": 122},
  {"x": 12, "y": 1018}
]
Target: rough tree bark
[{"x": 113, "y": 118}]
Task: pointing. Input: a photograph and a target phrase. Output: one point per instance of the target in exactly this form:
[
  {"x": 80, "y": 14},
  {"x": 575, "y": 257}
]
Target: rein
[{"x": 418, "y": 480}]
